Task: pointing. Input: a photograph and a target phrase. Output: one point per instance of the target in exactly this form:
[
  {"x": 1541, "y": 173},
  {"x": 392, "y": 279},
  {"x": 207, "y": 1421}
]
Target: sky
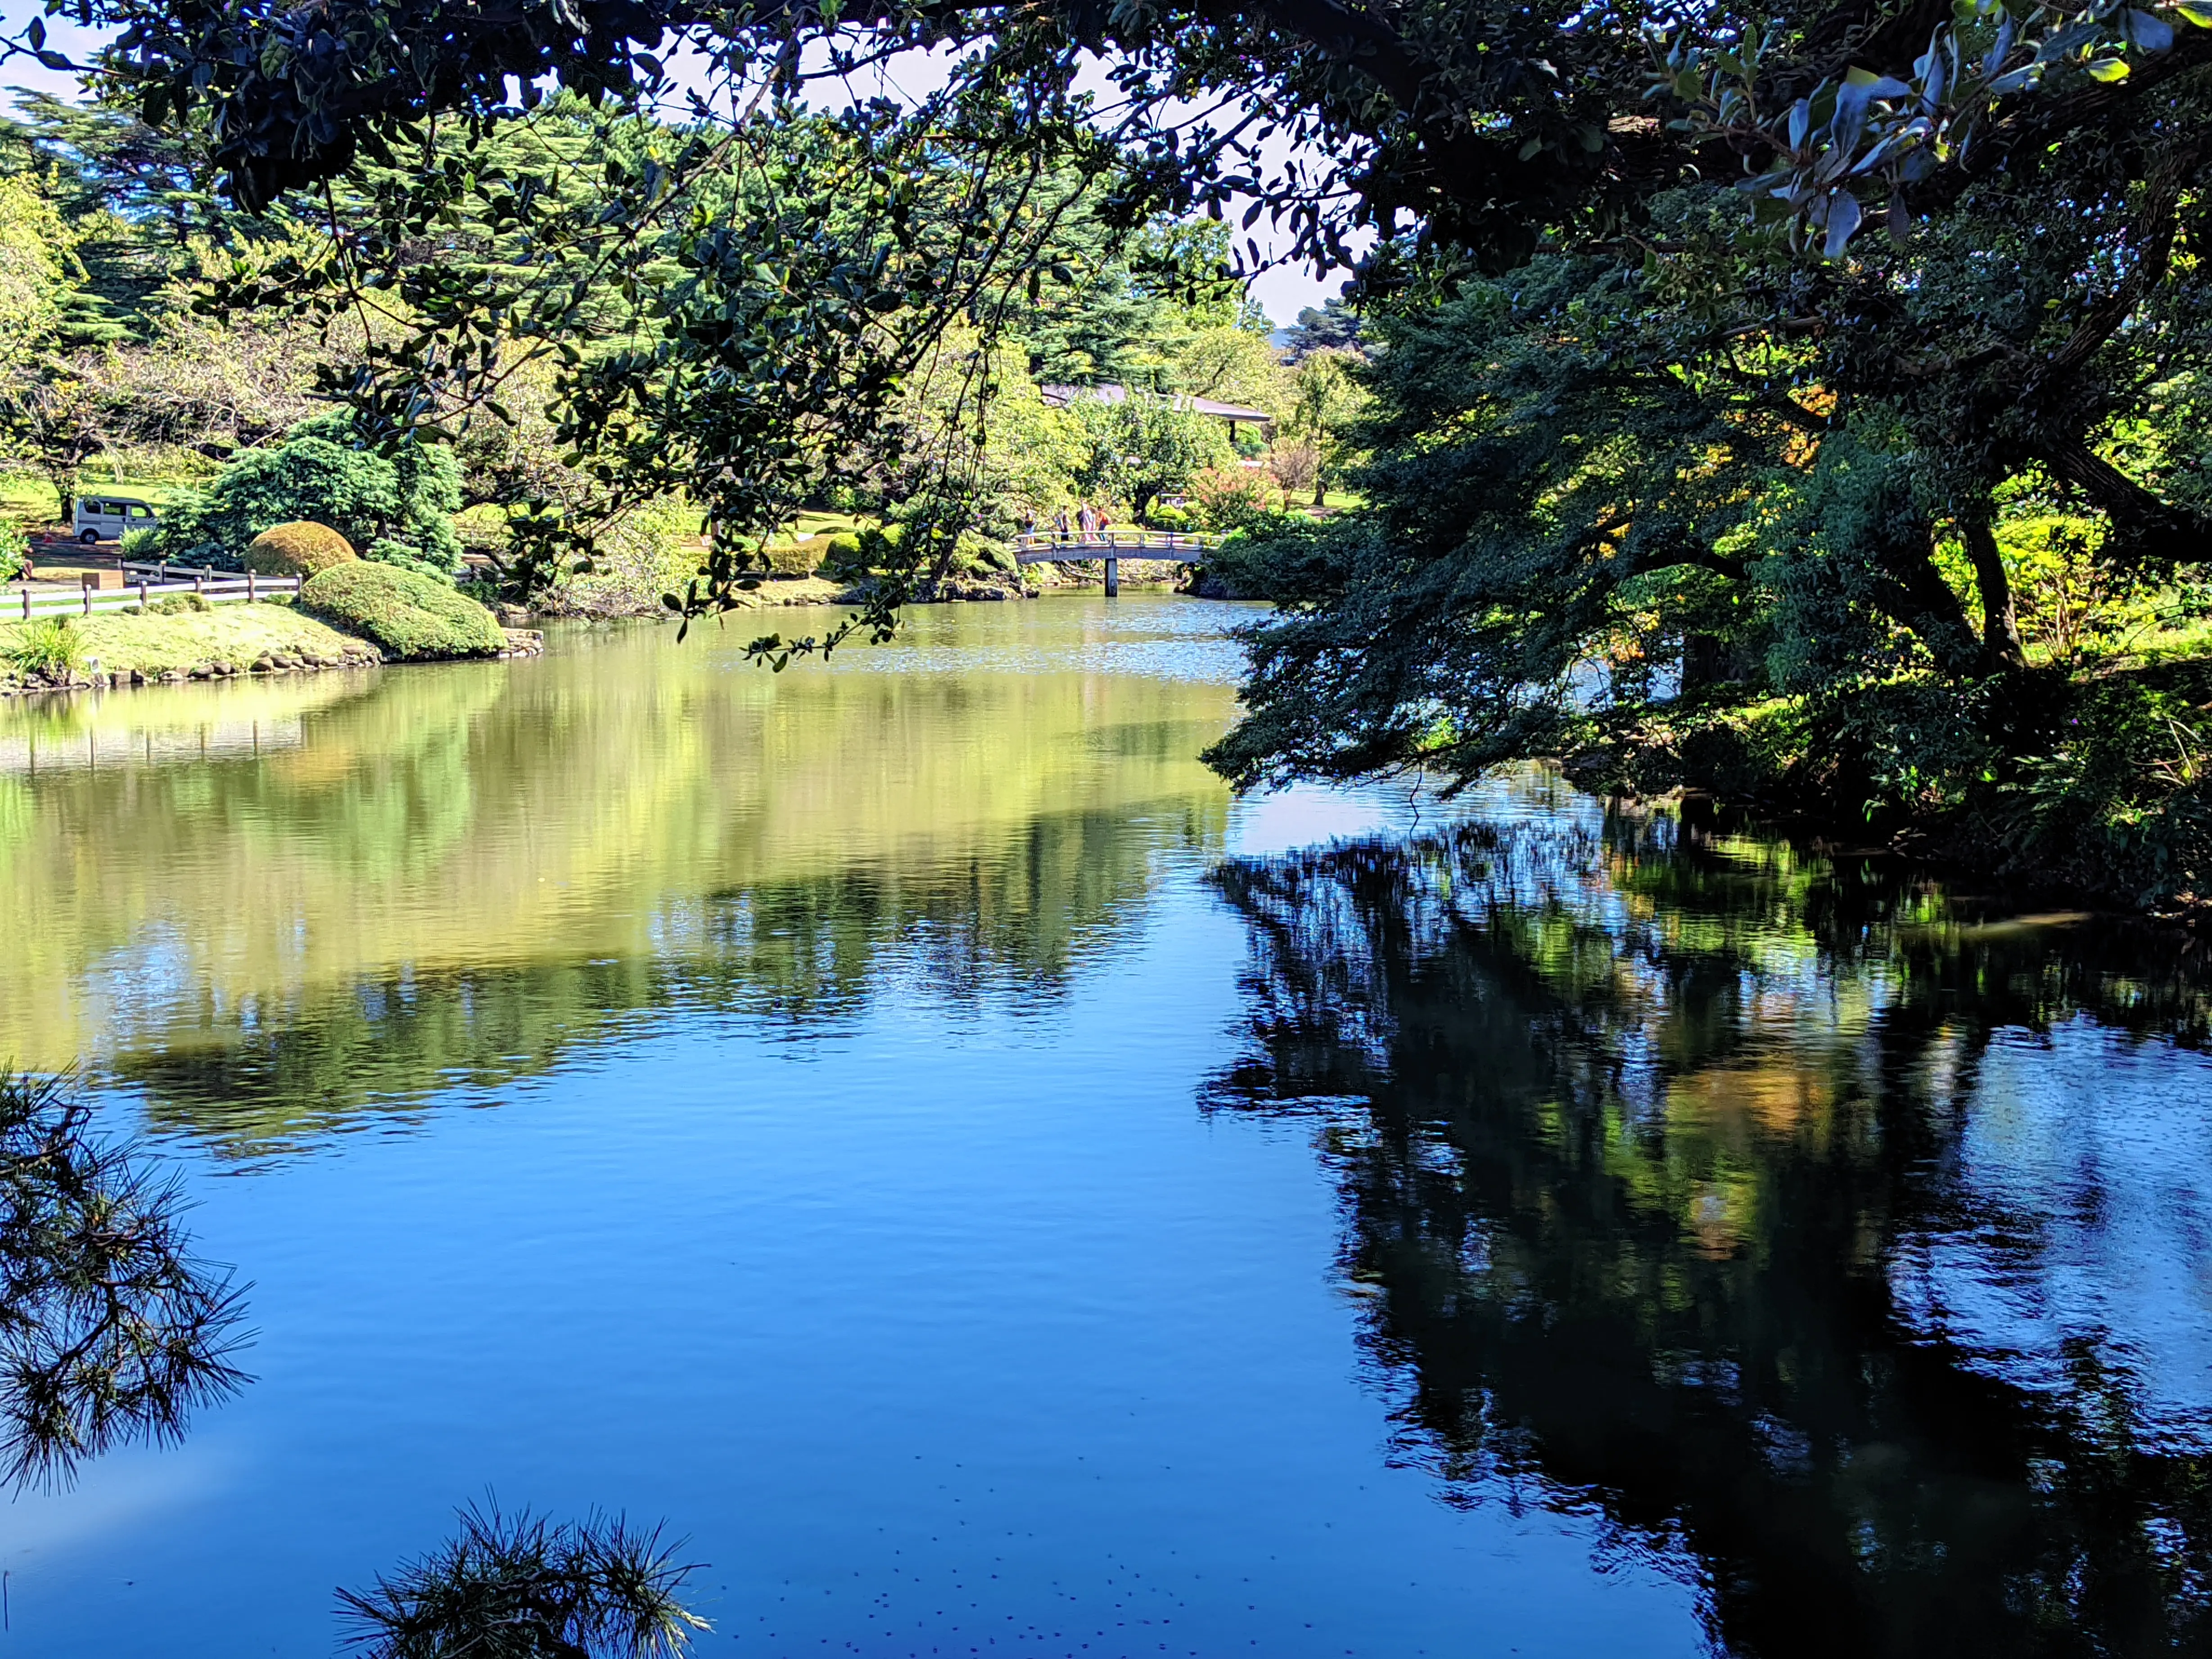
[{"x": 1283, "y": 290}]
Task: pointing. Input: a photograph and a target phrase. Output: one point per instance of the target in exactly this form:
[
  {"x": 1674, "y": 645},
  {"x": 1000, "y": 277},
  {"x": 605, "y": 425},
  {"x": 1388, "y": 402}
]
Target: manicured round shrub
[
  {"x": 802, "y": 557},
  {"x": 410, "y": 617},
  {"x": 302, "y": 548},
  {"x": 862, "y": 553},
  {"x": 841, "y": 557}
]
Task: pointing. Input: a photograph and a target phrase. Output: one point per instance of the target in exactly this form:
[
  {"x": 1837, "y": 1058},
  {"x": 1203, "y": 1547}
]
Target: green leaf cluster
[{"x": 410, "y": 616}]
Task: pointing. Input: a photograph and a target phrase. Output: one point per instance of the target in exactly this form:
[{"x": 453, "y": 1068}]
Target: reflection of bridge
[{"x": 1174, "y": 546}]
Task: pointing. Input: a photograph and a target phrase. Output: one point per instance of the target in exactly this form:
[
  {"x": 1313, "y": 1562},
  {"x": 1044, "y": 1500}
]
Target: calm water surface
[{"x": 906, "y": 1125}]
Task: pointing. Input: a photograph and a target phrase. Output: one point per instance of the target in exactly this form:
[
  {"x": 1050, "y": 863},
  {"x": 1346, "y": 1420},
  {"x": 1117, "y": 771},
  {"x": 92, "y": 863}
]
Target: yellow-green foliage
[
  {"x": 867, "y": 551},
  {"x": 840, "y": 556},
  {"x": 410, "y": 616},
  {"x": 799, "y": 558},
  {"x": 2065, "y": 600},
  {"x": 15, "y": 550},
  {"x": 651, "y": 551},
  {"x": 849, "y": 558},
  {"x": 302, "y": 548},
  {"x": 47, "y": 649},
  {"x": 34, "y": 244}
]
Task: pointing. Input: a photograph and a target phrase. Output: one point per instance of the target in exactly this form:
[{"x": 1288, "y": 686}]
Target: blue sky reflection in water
[{"x": 904, "y": 1125}]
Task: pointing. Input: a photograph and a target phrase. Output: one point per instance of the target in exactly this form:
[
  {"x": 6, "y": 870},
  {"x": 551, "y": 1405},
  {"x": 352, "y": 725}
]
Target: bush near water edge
[{"x": 412, "y": 618}]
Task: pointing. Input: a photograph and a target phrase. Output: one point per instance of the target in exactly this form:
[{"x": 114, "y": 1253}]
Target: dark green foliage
[
  {"x": 521, "y": 1586},
  {"x": 1536, "y": 483},
  {"x": 110, "y": 1330},
  {"x": 1113, "y": 321},
  {"x": 1332, "y": 326},
  {"x": 2102, "y": 781},
  {"x": 1487, "y": 125},
  {"x": 139, "y": 194},
  {"x": 410, "y": 616},
  {"x": 397, "y": 509},
  {"x": 1288, "y": 559},
  {"x": 844, "y": 557},
  {"x": 2119, "y": 797},
  {"x": 1623, "y": 516},
  {"x": 1711, "y": 432},
  {"x": 864, "y": 554}
]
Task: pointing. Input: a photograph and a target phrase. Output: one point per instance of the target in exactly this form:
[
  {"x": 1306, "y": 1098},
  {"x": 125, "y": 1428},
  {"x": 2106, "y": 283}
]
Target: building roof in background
[{"x": 1059, "y": 396}]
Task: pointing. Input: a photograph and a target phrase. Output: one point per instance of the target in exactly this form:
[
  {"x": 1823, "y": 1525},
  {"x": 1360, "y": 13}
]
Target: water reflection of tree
[
  {"x": 1626, "y": 1136},
  {"x": 1009, "y": 920}
]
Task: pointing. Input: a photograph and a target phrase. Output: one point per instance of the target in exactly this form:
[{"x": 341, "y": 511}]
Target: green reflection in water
[
  {"x": 274, "y": 904},
  {"x": 1807, "y": 1226}
]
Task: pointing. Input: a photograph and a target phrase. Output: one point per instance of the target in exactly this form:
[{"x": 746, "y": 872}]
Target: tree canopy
[
  {"x": 1707, "y": 349},
  {"x": 1464, "y": 135}
]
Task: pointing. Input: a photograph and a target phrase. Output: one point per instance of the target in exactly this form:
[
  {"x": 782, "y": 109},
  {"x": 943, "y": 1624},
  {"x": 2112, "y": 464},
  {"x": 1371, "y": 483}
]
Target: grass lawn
[
  {"x": 224, "y": 639},
  {"x": 487, "y": 521}
]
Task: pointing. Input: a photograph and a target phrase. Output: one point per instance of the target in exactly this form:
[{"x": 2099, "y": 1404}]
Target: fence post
[
  {"x": 249, "y": 588},
  {"x": 199, "y": 582},
  {"x": 90, "y": 577},
  {"x": 27, "y": 602},
  {"x": 142, "y": 595}
]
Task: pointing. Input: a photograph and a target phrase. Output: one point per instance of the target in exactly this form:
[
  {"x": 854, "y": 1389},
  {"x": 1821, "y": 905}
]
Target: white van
[{"x": 104, "y": 517}]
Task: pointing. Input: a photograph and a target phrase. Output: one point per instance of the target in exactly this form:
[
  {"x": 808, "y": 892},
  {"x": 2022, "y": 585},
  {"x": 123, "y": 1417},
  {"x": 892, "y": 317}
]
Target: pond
[{"x": 903, "y": 1125}]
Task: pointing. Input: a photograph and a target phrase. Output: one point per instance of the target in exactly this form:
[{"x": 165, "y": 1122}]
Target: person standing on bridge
[{"x": 1060, "y": 523}]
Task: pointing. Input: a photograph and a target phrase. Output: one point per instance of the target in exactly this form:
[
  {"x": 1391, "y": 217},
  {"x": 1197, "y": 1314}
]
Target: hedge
[{"x": 409, "y": 616}]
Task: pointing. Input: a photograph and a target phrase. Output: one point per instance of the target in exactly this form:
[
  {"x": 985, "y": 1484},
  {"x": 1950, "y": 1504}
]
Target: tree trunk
[
  {"x": 2145, "y": 527},
  {"x": 1919, "y": 599},
  {"x": 2001, "y": 643}
]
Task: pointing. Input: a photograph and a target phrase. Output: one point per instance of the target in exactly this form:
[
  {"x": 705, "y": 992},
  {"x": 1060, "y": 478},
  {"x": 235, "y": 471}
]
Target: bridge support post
[{"x": 1113, "y": 578}]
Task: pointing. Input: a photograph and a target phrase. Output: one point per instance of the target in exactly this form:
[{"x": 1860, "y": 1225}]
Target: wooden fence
[{"x": 155, "y": 582}]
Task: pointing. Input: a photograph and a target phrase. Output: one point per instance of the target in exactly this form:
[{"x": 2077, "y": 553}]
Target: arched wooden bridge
[{"x": 1176, "y": 546}]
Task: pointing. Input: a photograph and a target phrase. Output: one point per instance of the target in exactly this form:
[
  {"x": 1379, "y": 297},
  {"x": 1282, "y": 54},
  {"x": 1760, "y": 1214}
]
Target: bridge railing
[{"x": 1042, "y": 545}]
